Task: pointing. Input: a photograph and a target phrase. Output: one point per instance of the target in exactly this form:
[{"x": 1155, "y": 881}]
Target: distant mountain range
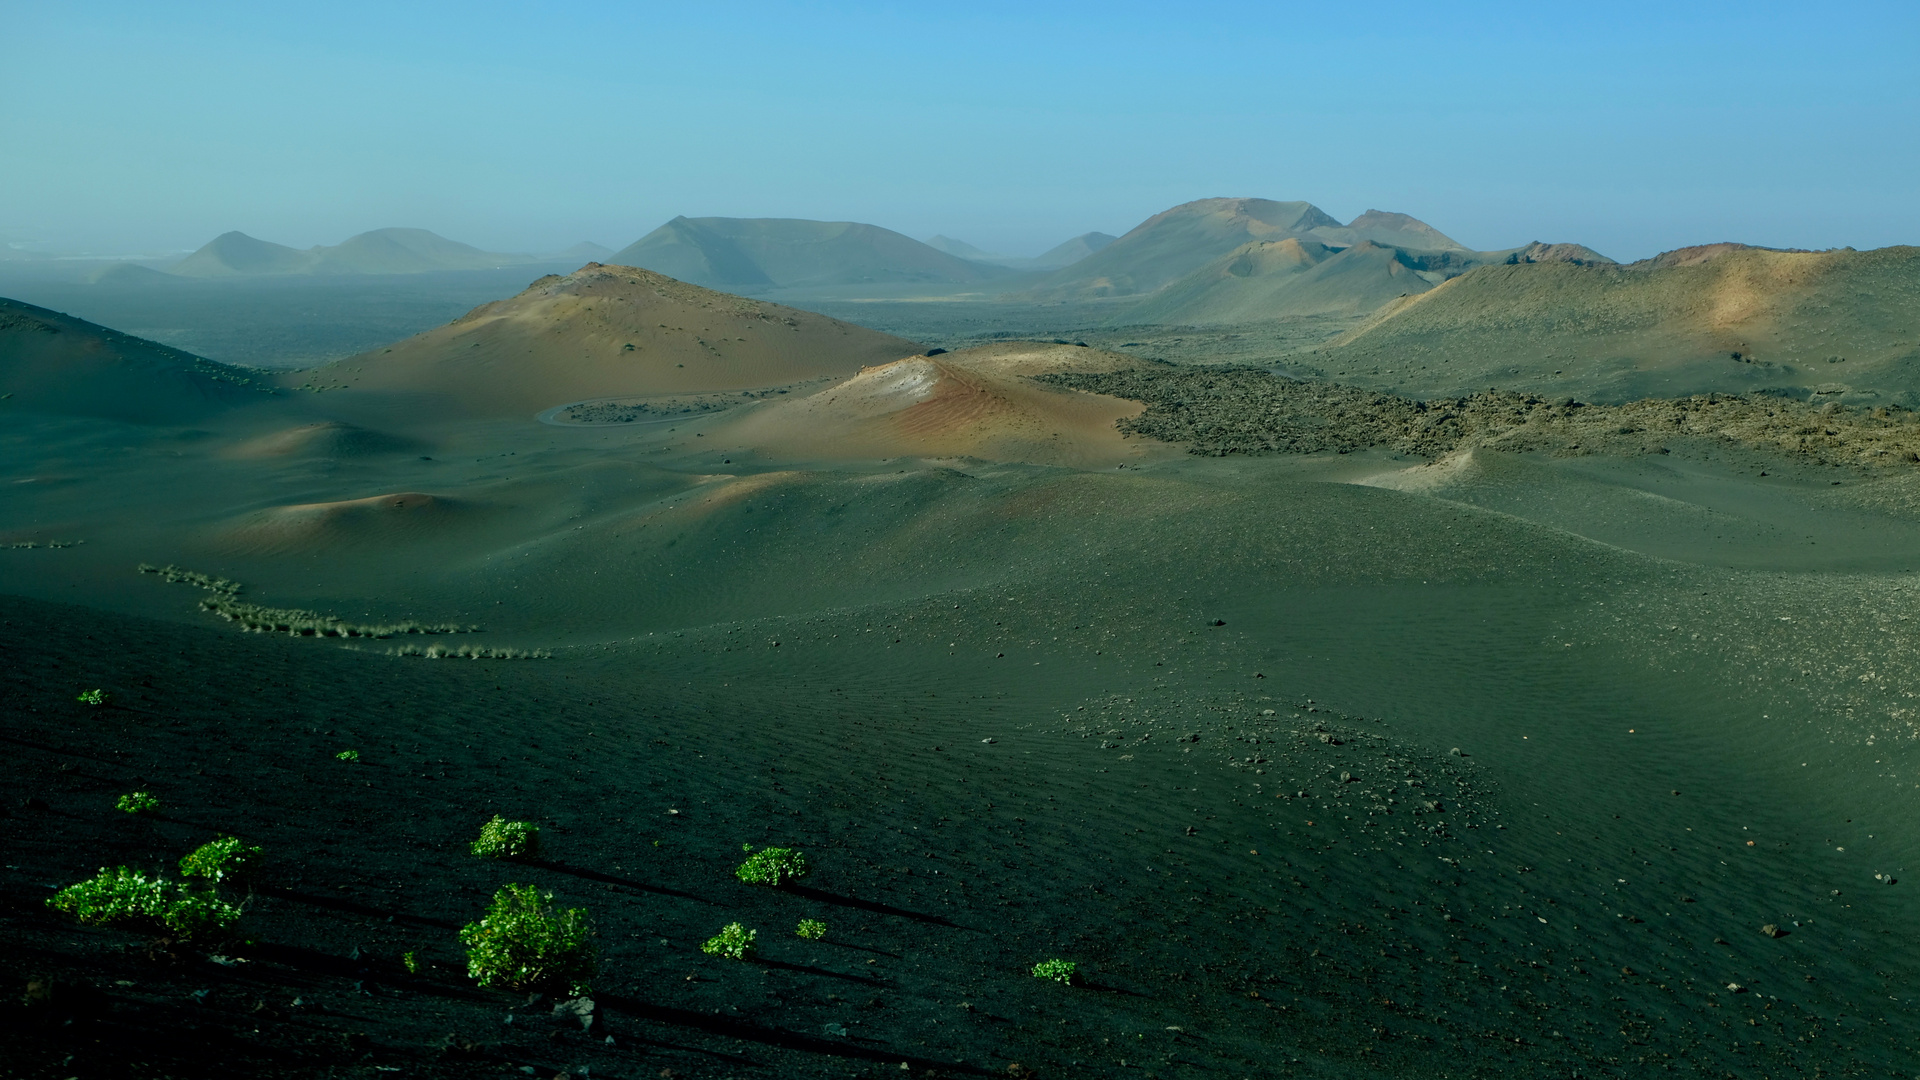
[
  {"x": 382, "y": 251},
  {"x": 1210, "y": 261},
  {"x": 1213, "y": 261},
  {"x": 1223, "y": 261},
  {"x": 1176, "y": 242}
]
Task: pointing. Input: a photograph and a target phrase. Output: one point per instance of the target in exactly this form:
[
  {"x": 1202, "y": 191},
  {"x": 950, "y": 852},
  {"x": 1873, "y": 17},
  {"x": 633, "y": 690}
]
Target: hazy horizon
[{"x": 1012, "y": 128}]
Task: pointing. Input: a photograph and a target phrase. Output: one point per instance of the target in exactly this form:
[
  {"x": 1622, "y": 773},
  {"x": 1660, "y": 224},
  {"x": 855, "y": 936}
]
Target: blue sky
[{"x": 1630, "y": 127}]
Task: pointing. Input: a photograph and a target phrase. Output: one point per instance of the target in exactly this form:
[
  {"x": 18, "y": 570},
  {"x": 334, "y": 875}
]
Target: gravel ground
[{"x": 1251, "y": 411}]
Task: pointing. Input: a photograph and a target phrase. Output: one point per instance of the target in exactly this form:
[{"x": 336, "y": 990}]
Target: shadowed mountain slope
[
  {"x": 1389, "y": 229},
  {"x": 605, "y": 331},
  {"x": 235, "y": 254},
  {"x": 770, "y": 253},
  {"x": 1065, "y": 253},
  {"x": 960, "y": 249},
  {"x": 1579, "y": 254},
  {"x": 1282, "y": 278},
  {"x": 408, "y": 251},
  {"x": 130, "y": 275},
  {"x": 54, "y": 363},
  {"x": 1176, "y": 242},
  {"x": 1169, "y": 246},
  {"x": 1840, "y": 323},
  {"x": 382, "y": 251},
  {"x": 1069, "y": 252}
]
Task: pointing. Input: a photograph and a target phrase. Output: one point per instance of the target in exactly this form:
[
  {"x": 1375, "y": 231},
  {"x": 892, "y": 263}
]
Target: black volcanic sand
[{"x": 1011, "y": 713}]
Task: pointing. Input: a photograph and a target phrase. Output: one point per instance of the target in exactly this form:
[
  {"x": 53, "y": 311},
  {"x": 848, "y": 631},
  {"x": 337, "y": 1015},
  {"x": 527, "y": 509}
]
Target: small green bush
[
  {"x": 1060, "y": 971},
  {"x": 733, "y": 942},
  {"x": 811, "y": 929},
  {"x": 348, "y": 755},
  {"x": 408, "y": 961},
  {"x": 503, "y": 839},
  {"x": 524, "y": 942},
  {"x": 94, "y": 697},
  {"x": 774, "y": 866},
  {"x": 215, "y": 860},
  {"x": 132, "y": 897},
  {"x": 137, "y": 802}
]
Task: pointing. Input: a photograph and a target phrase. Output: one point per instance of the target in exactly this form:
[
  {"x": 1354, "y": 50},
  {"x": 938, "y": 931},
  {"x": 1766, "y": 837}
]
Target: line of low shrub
[
  {"x": 299, "y": 622},
  {"x": 180, "y": 575},
  {"x": 470, "y": 652}
]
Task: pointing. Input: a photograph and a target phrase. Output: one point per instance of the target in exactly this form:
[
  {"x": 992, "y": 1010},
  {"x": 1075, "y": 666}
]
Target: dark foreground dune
[
  {"x": 1454, "y": 754},
  {"x": 1255, "y": 833}
]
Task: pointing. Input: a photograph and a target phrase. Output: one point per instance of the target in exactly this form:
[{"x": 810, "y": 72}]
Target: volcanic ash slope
[
  {"x": 606, "y": 331},
  {"x": 978, "y": 403},
  {"x": 57, "y": 364},
  {"x": 1717, "y": 318},
  {"x": 1293, "y": 277}
]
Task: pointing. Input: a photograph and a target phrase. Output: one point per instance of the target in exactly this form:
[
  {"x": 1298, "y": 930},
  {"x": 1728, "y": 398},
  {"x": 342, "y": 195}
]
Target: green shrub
[
  {"x": 348, "y": 755},
  {"x": 523, "y": 942},
  {"x": 94, "y": 697},
  {"x": 774, "y": 866},
  {"x": 132, "y": 897},
  {"x": 216, "y": 859},
  {"x": 408, "y": 961},
  {"x": 137, "y": 802},
  {"x": 503, "y": 839},
  {"x": 733, "y": 942},
  {"x": 1060, "y": 971},
  {"x": 811, "y": 929}
]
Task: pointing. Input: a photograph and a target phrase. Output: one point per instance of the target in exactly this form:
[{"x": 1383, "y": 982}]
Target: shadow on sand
[
  {"x": 731, "y": 1028},
  {"x": 870, "y": 905},
  {"x": 336, "y": 904},
  {"x": 609, "y": 879}
]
